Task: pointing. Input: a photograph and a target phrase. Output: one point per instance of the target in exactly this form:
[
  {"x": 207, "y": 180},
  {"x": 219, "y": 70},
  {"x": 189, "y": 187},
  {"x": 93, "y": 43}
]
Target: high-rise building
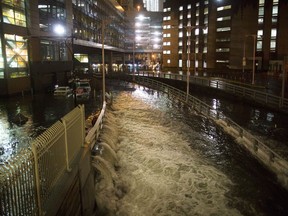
[
  {"x": 225, "y": 34},
  {"x": 145, "y": 38},
  {"x": 153, "y": 5}
]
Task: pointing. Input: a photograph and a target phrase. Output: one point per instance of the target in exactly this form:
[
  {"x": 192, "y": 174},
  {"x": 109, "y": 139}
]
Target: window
[
  {"x": 166, "y": 9},
  {"x": 14, "y": 3},
  {"x": 224, "y": 8},
  {"x": 13, "y": 16},
  {"x": 273, "y": 39},
  {"x": 53, "y": 51},
  {"x": 180, "y": 63},
  {"x": 167, "y": 35},
  {"x": 259, "y": 45},
  {"x": 223, "y": 18},
  {"x": 51, "y": 11},
  {"x": 222, "y": 50},
  {"x": 16, "y": 55},
  {"x": 223, "y": 29},
  {"x": 83, "y": 58}
]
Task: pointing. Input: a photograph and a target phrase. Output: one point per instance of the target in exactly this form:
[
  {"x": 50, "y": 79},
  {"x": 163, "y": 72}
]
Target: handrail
[
  {"x": 28, "y": 180},
  {"x": 268, "y": 99},
  {"x": 94, "y": 132},
  {"x": 273, "y": 161}
]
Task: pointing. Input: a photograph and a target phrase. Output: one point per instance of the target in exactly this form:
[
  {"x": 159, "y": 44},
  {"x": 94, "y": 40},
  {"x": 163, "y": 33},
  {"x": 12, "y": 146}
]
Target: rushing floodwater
[{"x": 159, "y": 158}]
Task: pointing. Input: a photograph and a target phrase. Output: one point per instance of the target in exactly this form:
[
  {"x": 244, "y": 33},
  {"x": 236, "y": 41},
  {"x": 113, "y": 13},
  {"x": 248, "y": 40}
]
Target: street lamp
[
  {"x": 104, "y": 22},
  {"x": 103, "y": 61},
  {"x": 254, "y": 53}
]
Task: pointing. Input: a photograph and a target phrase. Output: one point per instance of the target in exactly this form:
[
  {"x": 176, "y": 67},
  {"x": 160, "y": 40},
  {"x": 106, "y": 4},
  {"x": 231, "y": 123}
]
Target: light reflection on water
[
  {"x": 153, "y": 162},
  {"x": 42, "y": 111}
]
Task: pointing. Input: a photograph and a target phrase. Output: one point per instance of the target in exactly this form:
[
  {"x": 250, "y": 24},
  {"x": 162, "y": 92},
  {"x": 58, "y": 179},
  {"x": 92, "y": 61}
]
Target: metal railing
[
  {"x": 94, "y": 132},
  {"x": 262, "y": 97},
  {"x": 31, "y": 181},
  {"x": 28, "y": 180},
  {"x": 273, "y": 161}
]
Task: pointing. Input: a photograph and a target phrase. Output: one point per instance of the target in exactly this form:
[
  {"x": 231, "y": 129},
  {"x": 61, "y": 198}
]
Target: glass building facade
[{"x": 34, "y": 55}]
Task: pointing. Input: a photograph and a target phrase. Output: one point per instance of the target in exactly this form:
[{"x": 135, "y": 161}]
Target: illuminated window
[
  {"x": 16, "y": 55},
  {"x": 222, "y": 50},
  {"x": 83, "y": 58},
  {"x": 223, "y": 29},
  {"x": 13, "y": 16},
  {"x": 224, "y": 8},
  {"x": 273, "y": 39},
  {"x": 14, "y": 3},
  {"x": 224, "y": 18},
  {"x": 259, "y": 45}
]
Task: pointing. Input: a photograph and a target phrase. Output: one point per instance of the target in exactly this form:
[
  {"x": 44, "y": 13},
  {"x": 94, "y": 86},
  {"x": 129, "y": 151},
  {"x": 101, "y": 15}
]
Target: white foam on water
[{"x": 159, "y": 173}]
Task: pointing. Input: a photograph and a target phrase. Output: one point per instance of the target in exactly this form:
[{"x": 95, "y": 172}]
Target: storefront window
[{"x": 16, "y": 55}]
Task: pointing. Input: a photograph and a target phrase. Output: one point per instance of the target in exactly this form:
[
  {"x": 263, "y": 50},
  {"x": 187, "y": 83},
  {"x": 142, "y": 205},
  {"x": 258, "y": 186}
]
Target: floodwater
[
  {"x": 41, "y": 110},
  {"x": 160, "y": 158}
]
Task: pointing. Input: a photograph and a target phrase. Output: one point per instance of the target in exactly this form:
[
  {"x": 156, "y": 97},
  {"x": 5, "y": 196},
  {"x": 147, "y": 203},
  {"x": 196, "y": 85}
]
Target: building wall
[
  {"x": 46, "y": 58},
  {"x": 231, "y": 33}
]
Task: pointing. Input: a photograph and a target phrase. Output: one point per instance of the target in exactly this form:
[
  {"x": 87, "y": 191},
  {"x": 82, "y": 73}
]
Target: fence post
[
  {"x": 37, "y": 179},
  {"x": 82, "y": 110},
  {"x": 66, "y": 145}
]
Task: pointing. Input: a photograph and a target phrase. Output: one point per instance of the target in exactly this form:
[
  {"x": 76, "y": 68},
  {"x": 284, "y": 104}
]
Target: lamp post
[
  {"x": 104, "y": 22},
  {"x": 254, "y": 56},
  {"x": 133, "y": 59},
  {"x": 60, "y": 31},
  {"x": 103, "y": 61}
]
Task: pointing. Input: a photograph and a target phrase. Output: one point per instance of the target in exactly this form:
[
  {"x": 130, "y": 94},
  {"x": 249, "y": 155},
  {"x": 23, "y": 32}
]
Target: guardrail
[
  {"x": 239, "y": 90},
  {"x": 31, "y": 182},
  {"x": 94, "y": 132},
  {"x": 273, "y": 161}
]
